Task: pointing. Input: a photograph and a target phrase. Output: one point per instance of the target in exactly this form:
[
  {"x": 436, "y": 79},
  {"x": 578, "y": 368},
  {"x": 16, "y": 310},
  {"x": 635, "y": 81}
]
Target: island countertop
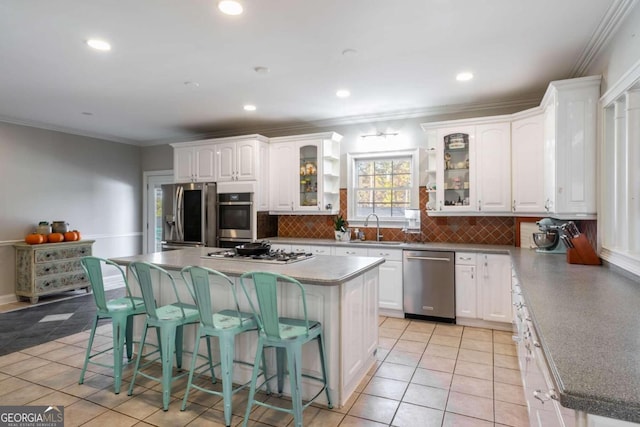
[{"x": 318, "y": 270}]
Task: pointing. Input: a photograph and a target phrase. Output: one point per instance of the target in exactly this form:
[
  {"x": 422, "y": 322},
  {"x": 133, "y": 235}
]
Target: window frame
[{"x": 389, "y": 222}]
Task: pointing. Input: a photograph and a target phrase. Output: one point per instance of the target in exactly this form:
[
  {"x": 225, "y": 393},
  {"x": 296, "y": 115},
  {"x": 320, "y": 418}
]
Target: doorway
[{"x": 152, "y": 208}]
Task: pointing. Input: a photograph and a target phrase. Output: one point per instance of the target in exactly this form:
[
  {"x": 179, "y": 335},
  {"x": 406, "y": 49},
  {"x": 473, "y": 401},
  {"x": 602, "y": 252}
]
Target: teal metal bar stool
[
  {"x": 287, "y": 335},
  {"x": 119, "y": 310},
  {"x": 224, "y": 324},
  {"x": 169, "y": 321}
]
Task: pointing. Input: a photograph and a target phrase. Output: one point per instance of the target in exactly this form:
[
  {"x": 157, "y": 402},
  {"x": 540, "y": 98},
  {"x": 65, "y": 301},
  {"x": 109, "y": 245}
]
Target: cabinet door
[
  {"x": 527, "y": 162},
  {"x": 495, "y": 287},
  {"x": 493, "y": 172},
  {"x": 550, "y": 157},
  {"x": 246, "y": 156},
  {"x": 390, "y": 286},
  {"x": 226, "y": 164},
  {"x": 454, "y": 169},
  {"x": 282, "y": 176},
  {"x": 205, "y": 160},
  {"x": 183, "y": 161},
  {"x": 309, "y": 169},
  {"x": 466, "y": 291}
]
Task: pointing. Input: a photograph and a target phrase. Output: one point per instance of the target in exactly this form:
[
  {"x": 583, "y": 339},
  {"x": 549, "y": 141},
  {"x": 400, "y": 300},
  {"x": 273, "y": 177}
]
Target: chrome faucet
[{"x": 366, "y": 223}]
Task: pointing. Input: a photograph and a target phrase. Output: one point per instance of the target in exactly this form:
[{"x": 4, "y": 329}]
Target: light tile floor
[{"x": 427, "y": 374}]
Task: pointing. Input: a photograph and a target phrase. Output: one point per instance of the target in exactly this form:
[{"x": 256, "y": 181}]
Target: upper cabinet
[
  {"x": 238, "y": 158},
  {"x": 527, "y": 162},
  {"x": 194, "y": 163},
  {"x": 538, "y": 162},
  {"x": 305, "y": 174},
  {"x": 570, "y": 114},
  {"x": 472, "y": 166}
]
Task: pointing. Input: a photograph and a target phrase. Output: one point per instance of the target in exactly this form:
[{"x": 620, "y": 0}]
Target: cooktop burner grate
[{"x": 273, "y": 257}]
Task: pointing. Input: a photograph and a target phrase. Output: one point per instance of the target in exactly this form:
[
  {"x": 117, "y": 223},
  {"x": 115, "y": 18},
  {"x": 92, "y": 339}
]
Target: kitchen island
[{"x": 342, "y": 294}]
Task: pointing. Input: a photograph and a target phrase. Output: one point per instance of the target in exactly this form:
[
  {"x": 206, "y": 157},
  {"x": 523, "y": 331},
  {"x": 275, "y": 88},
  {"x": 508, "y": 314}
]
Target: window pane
[
  {"x": 382, "y": 196},
  {"x": 365, "y": 181},
  {"x": 402, "y": 180},
  {"x": 383, "y": 166},
  {"x": 363, "y": 196},
  {"x": 401, "y": 197},
  {"x": 401, "y": 166},
  {"x": 364, "y": 167},
  {"x": 383, "y": 181}
]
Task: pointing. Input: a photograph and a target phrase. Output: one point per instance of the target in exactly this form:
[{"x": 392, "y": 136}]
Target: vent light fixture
[
  {"x": 230, "y": 7},
  {"x": 380, "y": 134},
  {"x": 464, "y": 76},
  {"x": 99, "y": 44}
]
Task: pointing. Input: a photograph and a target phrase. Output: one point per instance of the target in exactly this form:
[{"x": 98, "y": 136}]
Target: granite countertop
[
  {"x": 320, "y": 270},
  {"x": 587, "y": 319}
]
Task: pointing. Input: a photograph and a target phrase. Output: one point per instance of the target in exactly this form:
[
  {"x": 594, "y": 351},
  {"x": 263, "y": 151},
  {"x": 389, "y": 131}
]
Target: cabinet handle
[
  {"x": 479, "y": 205},
  {"x": 464, "y": 258},
  {"x": 513, "y": 207},
  {"x": 440, "y": 204},
  {"x": 542, "y": 397}
]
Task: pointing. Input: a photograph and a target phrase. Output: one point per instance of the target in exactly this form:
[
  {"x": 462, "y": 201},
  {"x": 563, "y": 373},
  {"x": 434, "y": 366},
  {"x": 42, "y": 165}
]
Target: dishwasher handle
[{"x": 428, "y": 258}]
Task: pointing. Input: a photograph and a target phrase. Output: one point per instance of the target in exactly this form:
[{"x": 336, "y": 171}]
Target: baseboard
[
  {"x": 8, "y": 299},
  {"x": 479, "y": 323}
]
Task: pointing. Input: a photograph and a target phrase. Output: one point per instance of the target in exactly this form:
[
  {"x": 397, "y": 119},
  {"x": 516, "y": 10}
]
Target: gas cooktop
[{"x": 272, "y": 257}]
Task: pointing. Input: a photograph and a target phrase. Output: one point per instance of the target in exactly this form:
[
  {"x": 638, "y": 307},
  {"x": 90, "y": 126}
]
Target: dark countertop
[{"x": 587, "y": 319}]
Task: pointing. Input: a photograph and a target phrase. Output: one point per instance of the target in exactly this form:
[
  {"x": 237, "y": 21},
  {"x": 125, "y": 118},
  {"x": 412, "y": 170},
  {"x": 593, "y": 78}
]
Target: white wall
[{"x": 94, "y": 185}]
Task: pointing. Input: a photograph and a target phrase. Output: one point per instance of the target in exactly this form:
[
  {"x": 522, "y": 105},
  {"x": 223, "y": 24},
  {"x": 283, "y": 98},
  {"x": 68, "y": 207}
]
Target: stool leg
[
  {"x": 178, "y": 345},
  {"x": 194, "y": 358},
  {"x": 323, "y": 362},
  {"x": 227, "y": 354},
  {"x": 281, "y": 362},
  {"x": 88, "y": 354},
  {"x": 135, "y": 370},
  {"x": 213, "y": 374},
  {"x": 294, "y": 361},
  {"x": 254, "y": 379},
  {"x": 129, "y": 337},
  {"x": 118, "y": 326},
  {"x": 167, "y": 345}
]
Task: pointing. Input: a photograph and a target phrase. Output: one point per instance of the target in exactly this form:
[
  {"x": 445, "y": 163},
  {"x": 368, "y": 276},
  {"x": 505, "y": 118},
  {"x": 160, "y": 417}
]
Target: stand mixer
[{"x": 548, "y": 239}]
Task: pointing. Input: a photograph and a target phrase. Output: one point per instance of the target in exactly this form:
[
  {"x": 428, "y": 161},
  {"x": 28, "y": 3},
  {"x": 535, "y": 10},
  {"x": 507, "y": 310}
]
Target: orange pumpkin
[
  {"x": 34, "y": 239},
  {"x": 78, "y": 235},
  {"x": 70, "y": 236},
  {"x": 45, "y": 238},
  {"x": 56, "y": 237}
]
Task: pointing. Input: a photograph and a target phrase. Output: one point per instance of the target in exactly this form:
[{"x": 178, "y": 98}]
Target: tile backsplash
[{"x": 488, "y": 230}]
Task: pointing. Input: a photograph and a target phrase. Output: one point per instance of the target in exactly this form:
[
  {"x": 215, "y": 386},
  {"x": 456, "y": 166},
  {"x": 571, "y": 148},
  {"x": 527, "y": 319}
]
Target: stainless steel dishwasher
[{"x": 429, "y": 284}]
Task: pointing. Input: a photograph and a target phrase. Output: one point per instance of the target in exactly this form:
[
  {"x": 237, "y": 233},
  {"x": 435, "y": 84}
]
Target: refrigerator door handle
[
  {"x": 179, "y": 213},
  {"x": 427, "y": 258}
]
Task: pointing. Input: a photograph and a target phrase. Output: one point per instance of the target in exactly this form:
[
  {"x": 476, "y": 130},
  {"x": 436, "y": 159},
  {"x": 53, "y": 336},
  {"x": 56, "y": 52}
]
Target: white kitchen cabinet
[
  {"x": 390, "y": 282},
  {"x": 238, "y": 158},
  {"x": 472, "y": 166},
  {"x": 493, "y": 167},
  {"x": 349, "y": 251},
  {"x": 495, "y": 287},
  {"x": 570, "y": 116},
  {"x": 466, "y": 285},
  {"x": 194, "y": 163},
  {"x": 305, "y": 174},
  {"x": 527, "y": 164},
  {"x": 320, "y": 250}
]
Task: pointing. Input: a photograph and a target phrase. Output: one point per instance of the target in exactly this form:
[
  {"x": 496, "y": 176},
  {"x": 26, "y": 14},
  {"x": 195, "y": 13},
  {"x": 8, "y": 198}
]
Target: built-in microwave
[{"x": 235, "y": 219}]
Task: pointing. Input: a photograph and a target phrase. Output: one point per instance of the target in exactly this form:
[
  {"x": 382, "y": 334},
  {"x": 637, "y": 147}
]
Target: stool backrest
[
  {"x": 143, "y": 273},
  {"x": 268, "y": 311},
  {"x": 201, "y": 280},
  {"x": 93, "y": 266}
]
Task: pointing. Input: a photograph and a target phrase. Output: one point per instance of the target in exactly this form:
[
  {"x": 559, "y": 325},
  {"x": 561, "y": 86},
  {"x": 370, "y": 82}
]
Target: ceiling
[{"x": 181, "y": 70}]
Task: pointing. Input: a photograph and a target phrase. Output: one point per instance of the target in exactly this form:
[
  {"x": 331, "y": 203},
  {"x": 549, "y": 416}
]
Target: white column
[
  {"x": 607, "y": 210},
  {"x": 620, "y": 172},
  {"x": 633, "y": 169}
]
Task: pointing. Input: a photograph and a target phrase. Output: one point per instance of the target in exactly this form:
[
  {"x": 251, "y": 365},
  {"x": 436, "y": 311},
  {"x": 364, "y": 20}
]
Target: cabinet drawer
[
  {"x": 54, "y": 283},
  {"x": 49, "y": 268},
  {"x": 387, "y": 254},
  {"x": 281, "y": 247},
  {"x": 466, "y": 258},
  {"x": 320, "y": 250},
  {"x": 53, "y": 254},
  {"x": 342, "y": 251}
]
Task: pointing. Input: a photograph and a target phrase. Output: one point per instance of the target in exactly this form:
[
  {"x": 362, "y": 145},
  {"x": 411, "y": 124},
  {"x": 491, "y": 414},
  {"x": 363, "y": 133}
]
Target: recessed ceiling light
[
  {"x": 99, "y": 44},
  {"x": 343, "y": 93},
  {"x": 87, "y": 113},
  {"x": 261, "y": 70},
  {"x": 230, "y": 7},
  {"x": 349, "y": 52},
  {"x": 249, "y": 107},
  {"x": 189, "y": 83},
  {"x": 464, "y": 76}
]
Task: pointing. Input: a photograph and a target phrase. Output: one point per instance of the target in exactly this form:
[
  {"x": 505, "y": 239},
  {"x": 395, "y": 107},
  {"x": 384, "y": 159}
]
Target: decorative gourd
[
  {"x": 70, "y": 236},
  {"x": 56, "y": 237},
  {"x": 45, "y": 238},
  {"x": 78, "y": 235},
  {"x": 34, "y": 239}
]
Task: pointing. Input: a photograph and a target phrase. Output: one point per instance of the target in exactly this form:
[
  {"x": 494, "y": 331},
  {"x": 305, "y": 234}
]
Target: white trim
[
  {"x": 616, "y": 13},
  {"x": 8, "y": 299},
  {"x": 624, "y": 83},
  {"x": 626, "y": 261},
  {"x": 168, "y": 173}
]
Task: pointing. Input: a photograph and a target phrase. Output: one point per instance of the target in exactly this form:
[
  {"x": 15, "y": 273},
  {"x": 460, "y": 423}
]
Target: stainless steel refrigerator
[{"x": 188, "y": 215}]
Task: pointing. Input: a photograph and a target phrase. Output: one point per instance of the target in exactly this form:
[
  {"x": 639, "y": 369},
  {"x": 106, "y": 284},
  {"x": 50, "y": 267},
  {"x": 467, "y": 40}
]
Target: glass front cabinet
[{"x": 455, "y": 168}]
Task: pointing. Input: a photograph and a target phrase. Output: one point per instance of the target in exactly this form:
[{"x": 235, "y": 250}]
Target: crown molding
[{"x": 616, "y": 13}]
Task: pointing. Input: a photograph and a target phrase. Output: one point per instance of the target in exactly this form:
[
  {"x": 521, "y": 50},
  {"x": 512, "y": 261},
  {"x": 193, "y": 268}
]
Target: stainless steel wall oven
[{"x": 236, "y": 221}]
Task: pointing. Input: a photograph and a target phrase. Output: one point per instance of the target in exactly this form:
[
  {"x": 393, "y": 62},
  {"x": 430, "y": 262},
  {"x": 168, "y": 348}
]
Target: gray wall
[{"x": 92, "y": 184}]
